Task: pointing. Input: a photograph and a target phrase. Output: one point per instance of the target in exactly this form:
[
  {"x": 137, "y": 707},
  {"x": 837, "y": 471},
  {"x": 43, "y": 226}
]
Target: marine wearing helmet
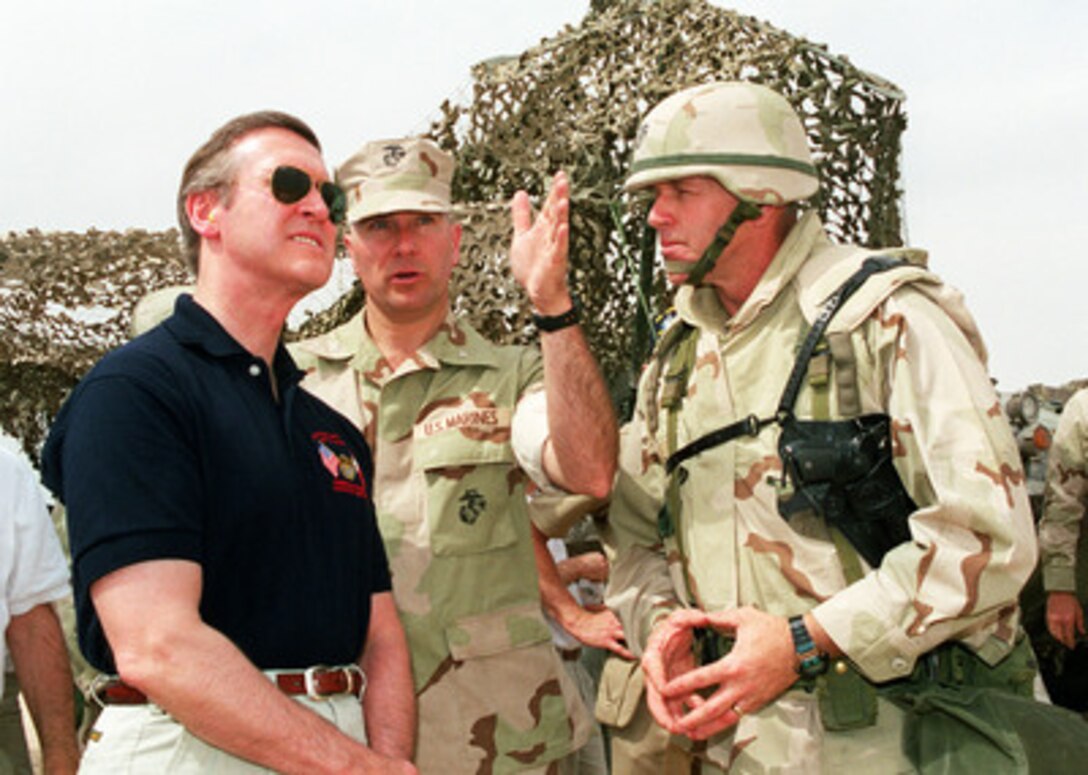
[
  {"x": 743, "y": 135},
  {"x": 768, "y": 635}
]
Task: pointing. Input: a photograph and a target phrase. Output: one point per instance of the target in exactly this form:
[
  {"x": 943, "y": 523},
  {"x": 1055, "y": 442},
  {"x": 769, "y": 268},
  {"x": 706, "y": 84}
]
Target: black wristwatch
[
  {"x": 549, "y": 323},
  {"x": 813, "y": 661}
]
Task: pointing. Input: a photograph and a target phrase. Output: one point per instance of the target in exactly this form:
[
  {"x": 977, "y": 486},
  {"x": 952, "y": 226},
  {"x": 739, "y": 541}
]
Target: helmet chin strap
[{"x": 744, "y": 211}]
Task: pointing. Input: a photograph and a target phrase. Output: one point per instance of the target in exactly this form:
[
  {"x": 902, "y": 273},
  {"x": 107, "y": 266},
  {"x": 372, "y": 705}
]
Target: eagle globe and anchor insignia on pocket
[
  {"x": 347, "y": 474},
  {"x": 472, "y": 504},
  {"x": 473, "y": 485}
]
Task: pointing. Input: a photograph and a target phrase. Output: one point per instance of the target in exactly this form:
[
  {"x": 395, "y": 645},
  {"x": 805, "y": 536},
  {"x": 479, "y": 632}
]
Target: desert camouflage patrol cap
[
  {"x": 745, "y": 136},
  {"x": 388, "y": 176}
]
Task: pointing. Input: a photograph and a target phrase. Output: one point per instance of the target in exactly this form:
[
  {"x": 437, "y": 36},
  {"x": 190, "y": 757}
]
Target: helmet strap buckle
[{"x": 744, "y": 211}]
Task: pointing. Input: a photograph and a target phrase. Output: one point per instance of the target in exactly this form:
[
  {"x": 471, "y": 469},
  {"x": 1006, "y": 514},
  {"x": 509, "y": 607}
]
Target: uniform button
[
  {"x": 841, "y": 667},
  {"x": 254, "y": 370},
  {"x": 899, "y": 665}
]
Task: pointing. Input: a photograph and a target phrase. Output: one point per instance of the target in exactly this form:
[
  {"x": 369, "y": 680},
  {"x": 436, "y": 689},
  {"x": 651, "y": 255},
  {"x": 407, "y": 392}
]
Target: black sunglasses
[{"x": 290, "y": 184}]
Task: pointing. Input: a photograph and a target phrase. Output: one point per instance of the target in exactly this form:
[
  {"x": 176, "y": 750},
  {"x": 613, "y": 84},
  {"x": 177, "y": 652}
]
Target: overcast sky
[{"x": 103, "y": 102}]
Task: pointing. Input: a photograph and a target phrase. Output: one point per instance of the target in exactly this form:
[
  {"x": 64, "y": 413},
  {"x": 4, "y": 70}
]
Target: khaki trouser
[
  {"x": 144, "y": 738},
  {"x": 639, "y": 746},
  {"x": 642, "y": 748},
  {"x": 784, "y": 737},
  {"x": 590, "y": 758},
  {"x": 787, "y": 738},
  {"x": 14, "y": 759}
]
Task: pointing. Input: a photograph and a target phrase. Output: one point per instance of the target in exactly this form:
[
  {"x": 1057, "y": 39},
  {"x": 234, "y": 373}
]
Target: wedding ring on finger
[{"x": 738, "y": 710}]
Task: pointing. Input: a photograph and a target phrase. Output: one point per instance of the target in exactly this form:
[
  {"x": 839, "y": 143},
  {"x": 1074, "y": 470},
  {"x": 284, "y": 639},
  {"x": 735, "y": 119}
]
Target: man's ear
[
  {"x": 202, "y": 208},
  {"x": 352, "y": 245}
]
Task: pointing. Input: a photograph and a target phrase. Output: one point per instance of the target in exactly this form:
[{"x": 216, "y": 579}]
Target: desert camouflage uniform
[
  {"x": 450, "y": 496},
  {"x": 918, "y": 359},
  {"x": 1061, "y": 540}
]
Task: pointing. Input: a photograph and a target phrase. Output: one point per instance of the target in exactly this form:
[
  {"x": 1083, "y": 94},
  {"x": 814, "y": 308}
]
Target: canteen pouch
[{"x": 847, "y": 701}]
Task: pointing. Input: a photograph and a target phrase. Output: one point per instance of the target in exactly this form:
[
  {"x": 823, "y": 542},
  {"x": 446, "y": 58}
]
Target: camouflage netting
[
  {"x": 65, "y": 299},
  {"x": 575, "y": 101},
  {"x": 572, "y": 102}
]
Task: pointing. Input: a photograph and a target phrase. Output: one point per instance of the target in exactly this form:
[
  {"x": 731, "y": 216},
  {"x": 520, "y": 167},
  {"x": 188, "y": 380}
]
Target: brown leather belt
[{"x": 317, "y": 683}]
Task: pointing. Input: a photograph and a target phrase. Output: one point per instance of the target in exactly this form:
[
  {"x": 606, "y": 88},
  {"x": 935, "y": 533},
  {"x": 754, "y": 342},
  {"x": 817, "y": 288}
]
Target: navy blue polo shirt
[{"x": 175, "y": 447}]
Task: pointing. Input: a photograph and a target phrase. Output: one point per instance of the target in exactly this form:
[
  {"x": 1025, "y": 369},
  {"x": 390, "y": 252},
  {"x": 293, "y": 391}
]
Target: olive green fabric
[{"x": 14, "y": 756}]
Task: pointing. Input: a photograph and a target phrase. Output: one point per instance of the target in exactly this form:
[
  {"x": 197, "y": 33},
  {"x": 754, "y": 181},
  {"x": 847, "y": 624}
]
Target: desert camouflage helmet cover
[
  {"x": 744, "y": 135},
  {"x": 388, "y": 176}
]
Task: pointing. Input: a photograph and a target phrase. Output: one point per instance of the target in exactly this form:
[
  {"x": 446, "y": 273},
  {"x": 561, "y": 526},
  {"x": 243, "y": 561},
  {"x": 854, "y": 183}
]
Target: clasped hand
[{"x": 699, "y": 702}]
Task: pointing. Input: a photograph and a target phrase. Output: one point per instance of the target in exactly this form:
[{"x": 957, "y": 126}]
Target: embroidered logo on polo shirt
[{"x": 347, "y": 475}]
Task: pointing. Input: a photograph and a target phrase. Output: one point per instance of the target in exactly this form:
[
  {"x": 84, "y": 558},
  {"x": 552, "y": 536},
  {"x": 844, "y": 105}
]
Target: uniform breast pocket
[{"x": 474, "y": 496}]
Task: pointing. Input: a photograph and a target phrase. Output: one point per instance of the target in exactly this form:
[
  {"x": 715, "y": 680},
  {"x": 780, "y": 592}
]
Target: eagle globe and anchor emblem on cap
[{"x": 393, "y": 154}]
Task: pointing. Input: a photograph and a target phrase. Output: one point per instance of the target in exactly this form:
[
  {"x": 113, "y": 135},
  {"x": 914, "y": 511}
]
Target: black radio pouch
[{"x": 842, "y": 471}]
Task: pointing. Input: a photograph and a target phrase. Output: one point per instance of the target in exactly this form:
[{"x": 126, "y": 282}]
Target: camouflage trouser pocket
[
  {"x": 619, "y": 692},
  {"x": 507, "y": 704}
]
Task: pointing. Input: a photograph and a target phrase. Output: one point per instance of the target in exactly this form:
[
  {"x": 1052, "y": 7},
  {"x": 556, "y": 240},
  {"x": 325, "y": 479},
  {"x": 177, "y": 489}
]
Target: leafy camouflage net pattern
[
  {"x": 65, "y": 299},
  {"x": 573, "y": 102}
]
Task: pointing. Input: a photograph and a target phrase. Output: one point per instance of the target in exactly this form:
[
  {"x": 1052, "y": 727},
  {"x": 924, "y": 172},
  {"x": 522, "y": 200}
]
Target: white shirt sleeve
[
  {"x": 32, "y": 565},
  {"x": 528, "y": 432}
]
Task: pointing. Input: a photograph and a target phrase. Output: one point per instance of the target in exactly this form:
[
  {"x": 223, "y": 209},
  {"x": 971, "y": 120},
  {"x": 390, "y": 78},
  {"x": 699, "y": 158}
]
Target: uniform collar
[
  {"x": 701, "y": 307},
  {"x": 194, "y": 327},
  {"x": 455, "y": 344}
]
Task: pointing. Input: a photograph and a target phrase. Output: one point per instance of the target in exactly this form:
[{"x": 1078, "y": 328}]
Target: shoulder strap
[
  {"x": 869, "y": 267},
  {"x": 752, "y": 425},
  {"x": 668, "y": 347},
  {"x": 845, "y": 371}
]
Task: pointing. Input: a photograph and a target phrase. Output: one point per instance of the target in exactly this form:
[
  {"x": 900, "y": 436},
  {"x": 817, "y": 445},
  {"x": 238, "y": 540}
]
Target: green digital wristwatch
[{"x": 813, "y": 661}]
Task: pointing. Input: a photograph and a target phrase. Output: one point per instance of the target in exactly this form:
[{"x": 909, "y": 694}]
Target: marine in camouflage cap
[
  {"x": 458, "y": 427},
  {"x": 386, "y": 176}
]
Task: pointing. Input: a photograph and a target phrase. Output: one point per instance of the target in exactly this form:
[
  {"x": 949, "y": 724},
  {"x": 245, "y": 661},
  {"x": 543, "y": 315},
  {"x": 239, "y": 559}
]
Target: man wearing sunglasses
[
  {"x": 457, "y": 425},
  {"x": 230, "y": 581}
]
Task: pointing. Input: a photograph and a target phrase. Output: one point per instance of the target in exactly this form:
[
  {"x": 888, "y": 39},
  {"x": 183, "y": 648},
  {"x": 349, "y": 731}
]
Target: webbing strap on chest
[
  {"x": 749, "y": 426},
  {"x": 744, "y": 211},
  {"x": 752, "y": 425},
  {"x": 674, "y": 392}
]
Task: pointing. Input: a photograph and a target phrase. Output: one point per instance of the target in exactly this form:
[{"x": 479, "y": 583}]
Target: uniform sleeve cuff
[
  {"x": 868, "y": 634},
  {"x": 528, "y": 432},
  {"x": 1059, "y": 578}
]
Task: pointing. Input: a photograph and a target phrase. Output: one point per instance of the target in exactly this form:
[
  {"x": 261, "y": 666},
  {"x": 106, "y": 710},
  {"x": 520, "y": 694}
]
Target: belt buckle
[
  {"x": 349, "y": 671},
  {"x": 309, "y": 680}
]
